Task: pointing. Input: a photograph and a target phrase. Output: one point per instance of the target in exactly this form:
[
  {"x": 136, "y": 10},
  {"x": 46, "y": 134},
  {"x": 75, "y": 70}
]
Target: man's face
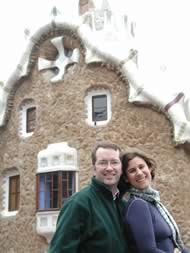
[{"x": 107, "y": 168}]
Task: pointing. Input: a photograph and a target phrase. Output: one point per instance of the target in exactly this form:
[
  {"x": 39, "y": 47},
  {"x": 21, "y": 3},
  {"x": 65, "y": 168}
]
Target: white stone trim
[
  {"x": 57, "y": 157},
  {"x": 88, "y": 103}
]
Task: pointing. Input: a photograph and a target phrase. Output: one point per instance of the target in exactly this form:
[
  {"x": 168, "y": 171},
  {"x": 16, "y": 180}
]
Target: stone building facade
[{"x": 62, "y": 120}]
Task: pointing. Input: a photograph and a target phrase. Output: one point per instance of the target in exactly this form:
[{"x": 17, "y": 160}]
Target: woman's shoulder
[
  {"x": 137, "y": 209},
  {"x": 136, "y": 203},
  {"x": 136, "y": 200}
]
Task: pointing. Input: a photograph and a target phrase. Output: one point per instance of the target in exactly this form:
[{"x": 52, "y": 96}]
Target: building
[{"x": 53, "y": 109}]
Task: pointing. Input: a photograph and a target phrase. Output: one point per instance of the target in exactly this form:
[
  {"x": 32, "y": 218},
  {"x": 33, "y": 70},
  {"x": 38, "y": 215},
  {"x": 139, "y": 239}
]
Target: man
[{"x": 91, "y": 220}]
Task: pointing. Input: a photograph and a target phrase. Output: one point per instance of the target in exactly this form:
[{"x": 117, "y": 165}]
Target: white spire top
[{"x": 105, "y": 5}]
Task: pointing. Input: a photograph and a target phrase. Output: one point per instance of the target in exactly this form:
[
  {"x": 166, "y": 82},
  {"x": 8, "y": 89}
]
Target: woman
[{"x": 150, "y": 227}]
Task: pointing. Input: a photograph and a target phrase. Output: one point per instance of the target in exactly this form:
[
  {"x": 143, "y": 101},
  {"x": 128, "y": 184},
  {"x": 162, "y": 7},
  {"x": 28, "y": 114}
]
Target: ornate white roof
[{"x": 112, "y": 38}]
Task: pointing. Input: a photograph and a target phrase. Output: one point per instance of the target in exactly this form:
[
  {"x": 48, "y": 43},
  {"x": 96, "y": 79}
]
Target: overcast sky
[{"x": 163, "y": 28}]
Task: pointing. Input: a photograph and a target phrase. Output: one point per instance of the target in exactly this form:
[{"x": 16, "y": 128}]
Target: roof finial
[{"x": 105, "y": 5}]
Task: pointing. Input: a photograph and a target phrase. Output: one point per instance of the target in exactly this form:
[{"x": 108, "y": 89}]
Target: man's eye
[
  {"x": 115, "y": 162},
  {"x": 102, "y": 162}
]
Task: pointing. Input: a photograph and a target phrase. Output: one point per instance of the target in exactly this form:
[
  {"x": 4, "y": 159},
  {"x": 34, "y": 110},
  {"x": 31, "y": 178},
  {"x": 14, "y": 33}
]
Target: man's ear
[{"x": 94, "y": 170}]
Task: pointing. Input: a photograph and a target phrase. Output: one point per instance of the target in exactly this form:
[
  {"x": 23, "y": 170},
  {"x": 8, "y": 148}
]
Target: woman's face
[{"x": 138, "y": 173}]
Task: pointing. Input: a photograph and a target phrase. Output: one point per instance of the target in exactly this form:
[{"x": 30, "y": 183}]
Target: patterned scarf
[{"x": 153, "y": 196}]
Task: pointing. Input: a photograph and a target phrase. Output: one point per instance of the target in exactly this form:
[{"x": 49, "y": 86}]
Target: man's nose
[{"x": 109, "y": 166}]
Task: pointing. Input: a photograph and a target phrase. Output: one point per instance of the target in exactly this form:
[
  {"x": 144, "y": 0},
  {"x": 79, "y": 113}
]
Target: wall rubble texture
[{"x": 61, "y": 118}]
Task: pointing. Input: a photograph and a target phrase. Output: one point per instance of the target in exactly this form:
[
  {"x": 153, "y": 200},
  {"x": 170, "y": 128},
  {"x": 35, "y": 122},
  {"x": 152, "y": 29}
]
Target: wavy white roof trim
[{"x": 113, "y": 43}]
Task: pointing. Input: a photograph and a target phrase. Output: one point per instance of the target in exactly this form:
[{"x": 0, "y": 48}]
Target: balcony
[{"x": 46, "y": 223}]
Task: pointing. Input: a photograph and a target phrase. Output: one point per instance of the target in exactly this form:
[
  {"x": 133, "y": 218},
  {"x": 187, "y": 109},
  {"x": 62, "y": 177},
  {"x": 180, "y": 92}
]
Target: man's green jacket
[{"x": 90, "y": 222}]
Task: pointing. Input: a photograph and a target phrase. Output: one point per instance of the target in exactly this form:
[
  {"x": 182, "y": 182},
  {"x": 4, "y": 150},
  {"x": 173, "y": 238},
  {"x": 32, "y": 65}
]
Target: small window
[
  {"x": 27, "y": 118},
  {"x": 10, "y": 192},
  {"x": 99, "y": 108},
  {"x": 30, "y": 119},
  {"x": 14, "y": 193},
  {"x": 54, "y": 188}
]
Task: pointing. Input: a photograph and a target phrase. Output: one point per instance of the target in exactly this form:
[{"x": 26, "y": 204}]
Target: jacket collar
[{"x": 99, "y": 186}]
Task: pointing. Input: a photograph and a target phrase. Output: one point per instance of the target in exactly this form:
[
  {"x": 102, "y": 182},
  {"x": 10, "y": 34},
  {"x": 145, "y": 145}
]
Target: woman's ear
[{"x": 150, "y": 170}]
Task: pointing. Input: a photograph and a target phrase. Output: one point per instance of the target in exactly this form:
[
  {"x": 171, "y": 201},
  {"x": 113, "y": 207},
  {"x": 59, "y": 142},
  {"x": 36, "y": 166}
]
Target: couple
[{"x": 99, "y": 220}]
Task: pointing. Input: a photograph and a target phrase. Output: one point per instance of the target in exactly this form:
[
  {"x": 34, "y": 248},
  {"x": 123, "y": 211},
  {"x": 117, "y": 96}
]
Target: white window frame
[
  {"x": 5, "y": 187},
  {"x": 23, "y": 118},
  {"x": 88, "y": 103}
]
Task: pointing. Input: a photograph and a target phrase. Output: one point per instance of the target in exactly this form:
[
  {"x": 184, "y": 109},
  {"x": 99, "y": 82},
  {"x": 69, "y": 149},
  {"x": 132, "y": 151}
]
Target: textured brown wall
[{"x": 61, "y": 117}]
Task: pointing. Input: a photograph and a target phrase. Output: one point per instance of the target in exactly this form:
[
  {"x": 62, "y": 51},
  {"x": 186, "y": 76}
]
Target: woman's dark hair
[{"x": 131, "y": 155}]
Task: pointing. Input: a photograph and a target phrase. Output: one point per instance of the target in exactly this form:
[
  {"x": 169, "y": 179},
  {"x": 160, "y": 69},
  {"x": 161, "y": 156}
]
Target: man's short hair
[{"x": 105, "y": 145}]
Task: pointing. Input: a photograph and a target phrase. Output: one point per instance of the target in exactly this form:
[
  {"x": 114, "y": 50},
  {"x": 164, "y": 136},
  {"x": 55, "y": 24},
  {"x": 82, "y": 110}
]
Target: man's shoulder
[{"x": 83, "y": 194}]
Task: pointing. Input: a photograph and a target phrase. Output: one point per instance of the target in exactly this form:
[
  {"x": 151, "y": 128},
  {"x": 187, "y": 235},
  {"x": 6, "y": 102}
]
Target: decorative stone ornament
[{"x": 65, "y": 57}]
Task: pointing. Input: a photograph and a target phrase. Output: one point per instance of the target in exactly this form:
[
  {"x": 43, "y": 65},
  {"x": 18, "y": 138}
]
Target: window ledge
[
  {"x": 27, "y": 135},
  {"x": 57, "y": 168},
  {"x": 98, "y": 123},
  {"x": 6, "y": 213}
]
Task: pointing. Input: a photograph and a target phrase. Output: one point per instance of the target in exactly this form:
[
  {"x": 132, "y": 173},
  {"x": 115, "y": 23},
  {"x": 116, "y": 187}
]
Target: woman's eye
[{"x": 131, "y": 171}]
